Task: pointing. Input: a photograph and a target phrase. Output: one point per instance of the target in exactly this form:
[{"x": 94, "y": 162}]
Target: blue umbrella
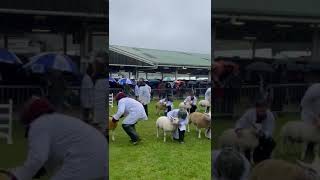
[
  {"x": 51, "y": 61},
  {"x": 8, "y": 57},
  {"x": 112, "y": 79},
  {"x": 123, "y": 81}
]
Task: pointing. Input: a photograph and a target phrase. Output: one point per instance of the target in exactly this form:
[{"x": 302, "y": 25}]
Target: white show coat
[
  {"x": 100, "y": 102},
  {"x": 215, "y": 155},
  {"x": 207, "y": 95},
  {"x": 310, "y": 103},
  {"x": 132, "y": 109},
  {"x": 66, "y": 146},
  {"x": 168, "y": 103},
  {"x": 250, "y": 117},
  {"x": 192, "y": 102},
  {"x": 144, "y": 95},
  {"x": 136, "y": 90},
  {"x": 86, "y": 92},
  {"x": 182, "y": 122}
]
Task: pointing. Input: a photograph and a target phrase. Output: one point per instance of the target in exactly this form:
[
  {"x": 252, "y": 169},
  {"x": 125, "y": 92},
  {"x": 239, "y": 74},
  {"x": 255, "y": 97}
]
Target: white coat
[
  {"x": 86, "y": 92},
  {"x": 249, "y": 118},
  {"x": 192, "y": 102},
  {"x": 310, "y": 104},
  {"x": 100, "y": 103},
  {"x": 182, "y": 122},
  {"x": 136, "y": 90},
  {"x": 65, "y": 146},
  {"x": 144, "y": 95},
  {"x": 215, "y": 155},
  {"x": 207, "y": 95},
  {"x": 131, "y": 109}
]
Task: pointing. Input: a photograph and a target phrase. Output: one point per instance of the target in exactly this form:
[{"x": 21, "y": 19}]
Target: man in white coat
[
  {"x": 67, "y": 147},
  {"x": 207, "y": 96},
  {"x": 100, "y": 95},
  {"x": 182, "y": 115},
  {"x": 133, "y": 112},
  {"x": 261, "y": 119},
  {"x": 136, "y": 91},
  {"x": 310, "y": 111},
  {"x": 192, "y": 99},
  {"x": 144, "y": 94},
  {"x": 86, "y": 94}
]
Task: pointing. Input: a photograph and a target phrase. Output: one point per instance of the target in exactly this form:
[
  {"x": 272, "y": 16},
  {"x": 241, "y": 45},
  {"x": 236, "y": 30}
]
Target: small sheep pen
[{"x": 153, "y": 159}]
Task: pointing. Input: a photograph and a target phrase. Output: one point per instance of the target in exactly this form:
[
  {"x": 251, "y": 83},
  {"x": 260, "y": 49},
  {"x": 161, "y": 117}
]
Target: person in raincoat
[
  {"x": 100, "y": 95},
  {"x": 133, "y": 111},
  {"x": 144, "y": 94},
  {"x": 207, "y": 97},
  {"x": 169, "y": 104},
  {"x": 86, "y": 94},
  {"x": 192, "y": 99},
  {"x": 310, "y": 111},
  {"x": 261, "y": 119},
  {"x": 229, "y": 164},
  {"x": 182, "y": 115},
  {"x": 66, "y": 147}
]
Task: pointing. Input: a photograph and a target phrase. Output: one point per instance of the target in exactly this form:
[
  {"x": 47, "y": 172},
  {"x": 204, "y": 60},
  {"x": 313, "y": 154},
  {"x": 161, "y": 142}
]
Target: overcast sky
[{"x": 178, "y": 25}]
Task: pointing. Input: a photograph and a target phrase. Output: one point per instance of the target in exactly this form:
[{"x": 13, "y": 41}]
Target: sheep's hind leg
[
  {"x": 113, "y": 133},
  {"x": 304, "y": 150},
  {"x": 157, "y": 132},
  {"x": 164, "y": 136},
  {"x": 199, "y": 133},
  {"x": 316, "y": 152}
]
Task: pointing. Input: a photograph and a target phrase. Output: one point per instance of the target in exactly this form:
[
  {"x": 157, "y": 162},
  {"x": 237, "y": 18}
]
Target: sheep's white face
[{"x": 175, "y": 121}]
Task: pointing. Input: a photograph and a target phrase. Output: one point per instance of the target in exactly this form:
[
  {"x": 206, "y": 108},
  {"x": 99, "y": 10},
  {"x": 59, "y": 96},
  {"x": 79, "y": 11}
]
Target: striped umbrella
[
  {"x": 51, "y": 61},
  {"x": 9, "y": 57}
]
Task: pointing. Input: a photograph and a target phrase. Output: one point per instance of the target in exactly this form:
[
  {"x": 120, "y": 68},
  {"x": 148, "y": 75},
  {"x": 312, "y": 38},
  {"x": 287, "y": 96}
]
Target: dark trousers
[
  {"x": 168, "y": 110},
  {"x": 263, "y": 151},
  {"x": 309, "y": 152},
  {"x": 181, "y": 135},
  {"x": 193, "y": 108},
  {"x": 130, "y": 129},
  {"x": 146, "y": 109},
  {"x": 208, "y": 110}
]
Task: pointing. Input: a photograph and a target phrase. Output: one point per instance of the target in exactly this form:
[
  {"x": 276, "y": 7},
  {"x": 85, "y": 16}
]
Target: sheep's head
[{"x": 175, "y": 121}]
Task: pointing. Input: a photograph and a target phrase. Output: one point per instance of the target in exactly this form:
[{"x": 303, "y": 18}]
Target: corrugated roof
[
  {"x": 163, "y": 57},
  {"x": 306, "y": 8}
]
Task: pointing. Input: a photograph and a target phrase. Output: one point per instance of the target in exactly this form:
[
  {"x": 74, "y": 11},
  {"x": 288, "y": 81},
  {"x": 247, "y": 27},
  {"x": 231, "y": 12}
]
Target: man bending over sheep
[
  {"x": 261, "y": 119},
  {"x": 182, "y": 115},
  {"x": 310, "y": 113},
  {"x": 133, "y": 111},
  {"x": 192, "y": 99}
]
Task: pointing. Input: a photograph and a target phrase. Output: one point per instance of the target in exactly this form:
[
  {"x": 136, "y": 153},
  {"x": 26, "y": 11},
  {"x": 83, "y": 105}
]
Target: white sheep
[
  {"x": 247, "y": 140},
  {"x": 280, "y": 169},
  {"x": 200, "y": 120},
  {"x": 160, "y": 107},
  {"x": 166, "y": 125},
  {"x": 186, "y": 106},
  {"x": 204, "y": 103},
  {"x": 300, "y": 132}
]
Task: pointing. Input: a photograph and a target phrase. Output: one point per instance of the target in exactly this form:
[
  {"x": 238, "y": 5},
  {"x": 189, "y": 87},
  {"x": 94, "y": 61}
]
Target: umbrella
[
  {"x": 259, "y": 66},
  {"x": 8, "y": 57},
  {"x": 167, "y": 79},
  {"x": 112, "y": 79},
  {"x": 51, "y": 61},
  {"x": 123, "y": 81}
]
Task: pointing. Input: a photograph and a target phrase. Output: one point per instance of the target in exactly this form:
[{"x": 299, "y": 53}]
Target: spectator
[
  {"x": 144, "y": 94},
  {"x": 100, "y": 94},
  {"x": 86, "y": 94},
  {"x": 57, "y": 87}
]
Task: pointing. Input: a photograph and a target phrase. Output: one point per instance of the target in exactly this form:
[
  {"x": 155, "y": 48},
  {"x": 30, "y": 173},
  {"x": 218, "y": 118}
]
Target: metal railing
[{"x": 19, "y": 94}]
